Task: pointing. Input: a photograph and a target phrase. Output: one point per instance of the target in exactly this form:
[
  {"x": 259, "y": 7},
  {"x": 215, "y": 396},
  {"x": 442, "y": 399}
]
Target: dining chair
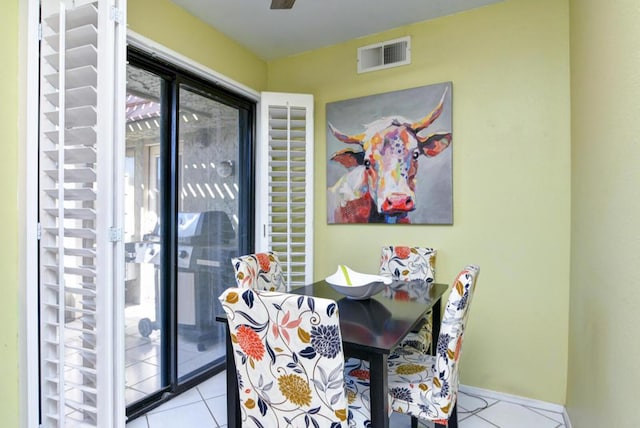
[
  {"x": 260, "y": 271},
  {"x": 426, "y": 386},
  {"x": 289, "y": 361},
  {"x": 408, "y": 264}
]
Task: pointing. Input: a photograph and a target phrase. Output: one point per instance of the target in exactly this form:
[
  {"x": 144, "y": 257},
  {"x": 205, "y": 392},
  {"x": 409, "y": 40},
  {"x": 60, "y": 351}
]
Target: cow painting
[{"x": 379, "y": 183}]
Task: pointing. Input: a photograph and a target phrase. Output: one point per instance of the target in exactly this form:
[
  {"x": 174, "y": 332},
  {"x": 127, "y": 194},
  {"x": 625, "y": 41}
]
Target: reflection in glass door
[
  {"x": 207, "y": 223},
  {"x": 188, "y": 211},
  {"x": 144, "y": 338}
]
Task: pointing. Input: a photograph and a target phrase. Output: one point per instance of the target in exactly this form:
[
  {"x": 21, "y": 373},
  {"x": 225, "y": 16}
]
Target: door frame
[
  {"x": 28, "y": 334},
  {"x": 162, "y": 52},
  {"x": 28, "y": 80}
]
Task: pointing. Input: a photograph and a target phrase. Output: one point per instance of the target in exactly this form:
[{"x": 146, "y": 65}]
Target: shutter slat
[
  {"x": 73, "y": 213},
  {"x": 76, "y": 57},
  {"x": 74, "y": 137},
  {"x": 83, "y": 15},
  {"x": 75, "y": 97},
  {"x": 75, "y": 155},
  {"x": 76, "y": 175},
  {"x": 75, "y": 78},
  {"x": 75, "y": 37}
]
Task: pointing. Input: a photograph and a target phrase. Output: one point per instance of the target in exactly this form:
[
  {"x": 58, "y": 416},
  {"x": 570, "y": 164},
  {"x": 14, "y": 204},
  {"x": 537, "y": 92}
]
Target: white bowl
[{"x": 362, "y": 285}]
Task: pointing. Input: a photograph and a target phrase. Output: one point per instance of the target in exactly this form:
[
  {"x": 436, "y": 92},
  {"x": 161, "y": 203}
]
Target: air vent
[{"x": 391, "y": 53}]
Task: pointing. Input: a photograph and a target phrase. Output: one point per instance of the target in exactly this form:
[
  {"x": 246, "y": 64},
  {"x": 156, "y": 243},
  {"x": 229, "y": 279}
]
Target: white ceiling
[{"x": 312, "y": 24}]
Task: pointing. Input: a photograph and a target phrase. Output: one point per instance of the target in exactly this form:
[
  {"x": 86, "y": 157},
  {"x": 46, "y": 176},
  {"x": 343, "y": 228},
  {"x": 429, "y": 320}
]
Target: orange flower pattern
[
  {"x": 260, "y": 271},
  {"x": 402, "y": 252},
  {"x": 250, "y": 342},
  {"x": 290, "y": 380},
  {"x": 360, "y": 374},
  {"x": 263, "y": 261}
]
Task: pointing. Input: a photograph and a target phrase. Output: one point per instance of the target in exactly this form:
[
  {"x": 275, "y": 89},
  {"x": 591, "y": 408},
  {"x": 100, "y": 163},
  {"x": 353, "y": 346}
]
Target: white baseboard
[{"x": 529, "y": 402}]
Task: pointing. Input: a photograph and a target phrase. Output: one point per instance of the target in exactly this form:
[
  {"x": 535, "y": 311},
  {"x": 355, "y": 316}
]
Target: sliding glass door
[
  {"x": 146, "y": 130},
  {"x": 188, "y": 211},
  {"x": 208, "y": 218}
]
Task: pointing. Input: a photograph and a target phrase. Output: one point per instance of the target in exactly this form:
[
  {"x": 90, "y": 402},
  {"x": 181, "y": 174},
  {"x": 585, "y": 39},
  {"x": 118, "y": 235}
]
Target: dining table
[{"x": 370, "y": 328}]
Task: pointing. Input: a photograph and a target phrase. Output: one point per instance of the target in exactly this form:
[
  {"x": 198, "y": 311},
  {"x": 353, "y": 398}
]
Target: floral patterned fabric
[
  {"x": 426, "y": 386},
  {"x": 289, "y": 361},
  {"x": 422, "y": 385},
  {"x": 260, "y": 271},
  {"x": 408, "y": 264}
]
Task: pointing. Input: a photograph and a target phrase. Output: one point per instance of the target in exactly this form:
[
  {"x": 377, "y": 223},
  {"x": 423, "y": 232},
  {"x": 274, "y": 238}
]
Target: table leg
[
  {"x": 379, "y": 391},
  {"x": 436, "y": 319},
  {"x": 233, "y": 396}
]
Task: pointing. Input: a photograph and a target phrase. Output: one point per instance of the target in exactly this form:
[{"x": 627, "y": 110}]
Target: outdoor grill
[{"x": 206, "y": 243}]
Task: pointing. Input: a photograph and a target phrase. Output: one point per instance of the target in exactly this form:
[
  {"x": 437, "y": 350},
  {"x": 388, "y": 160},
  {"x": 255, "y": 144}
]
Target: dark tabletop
[{"x": 379, "y": 323}]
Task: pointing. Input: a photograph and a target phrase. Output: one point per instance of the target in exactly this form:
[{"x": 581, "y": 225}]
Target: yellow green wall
[
  {"x": 175, "y": 28},
  {"x": 9, "y": 214},
  {"x": 510, "y": 72},
  {"x": 509, "y": 64},
  {"x": 604, "y": 340}
]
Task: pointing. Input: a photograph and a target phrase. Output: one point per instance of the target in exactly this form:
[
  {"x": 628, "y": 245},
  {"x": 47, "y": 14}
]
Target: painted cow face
[{"x": 389, "y": 150}]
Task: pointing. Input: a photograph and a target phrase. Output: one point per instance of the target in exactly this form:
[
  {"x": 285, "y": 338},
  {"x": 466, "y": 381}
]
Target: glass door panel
[
  {"x": 143, "y": 341},
  {"x": 188, "y": 211},
  {"x": 208, "y": 147}
]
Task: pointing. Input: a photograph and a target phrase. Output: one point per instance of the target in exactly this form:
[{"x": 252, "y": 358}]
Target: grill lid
[{"x": 200, "y": 229}]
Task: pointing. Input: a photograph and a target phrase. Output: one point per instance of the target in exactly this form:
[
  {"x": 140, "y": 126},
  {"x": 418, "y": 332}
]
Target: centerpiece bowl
[{"x": 356, "y": 285}]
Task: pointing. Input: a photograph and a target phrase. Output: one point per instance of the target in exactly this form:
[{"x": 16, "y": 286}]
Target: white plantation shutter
[
  {"x": 284, "y": 183},
  {"x": 81, "y": 260}
]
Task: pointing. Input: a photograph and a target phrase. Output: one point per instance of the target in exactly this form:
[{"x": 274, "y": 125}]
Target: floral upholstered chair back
[
  {"x": 454, "y": 320},
  {"x": 289, "y": 359},
  {"x": 260, "y": 271},
  {"x": 408, "y": 263}
]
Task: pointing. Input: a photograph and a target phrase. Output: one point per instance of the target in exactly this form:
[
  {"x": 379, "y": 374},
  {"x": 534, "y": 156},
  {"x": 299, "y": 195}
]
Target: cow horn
[
  {"x": 349, "y": 139},
  {"x": 431, "y": 117}
]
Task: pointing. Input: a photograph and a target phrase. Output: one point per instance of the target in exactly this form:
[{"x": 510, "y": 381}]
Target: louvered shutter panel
[
  {"x": 285, "y": 183},
  {"x": 81, "y": 313}
]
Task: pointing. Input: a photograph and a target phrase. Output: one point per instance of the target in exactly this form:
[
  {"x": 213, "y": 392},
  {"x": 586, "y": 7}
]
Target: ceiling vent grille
[{"x": 378, "y": 56}]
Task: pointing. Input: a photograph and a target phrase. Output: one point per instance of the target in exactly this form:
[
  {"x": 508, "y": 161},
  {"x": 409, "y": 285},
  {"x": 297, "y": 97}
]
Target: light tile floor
[
  {"x": 205, "y": 407},
  {"x": 142, "y": 355}
]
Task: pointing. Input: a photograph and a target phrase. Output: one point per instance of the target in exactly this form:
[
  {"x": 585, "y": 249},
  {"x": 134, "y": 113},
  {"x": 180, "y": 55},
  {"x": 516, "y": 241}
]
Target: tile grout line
[
  {"x": 533, "y": 409},
  {"x": 207, "y": 406},
  {"x": 482, "y": 409},
  {"x": 487, "y": 420},
  {"x": 560, "y": 424}
]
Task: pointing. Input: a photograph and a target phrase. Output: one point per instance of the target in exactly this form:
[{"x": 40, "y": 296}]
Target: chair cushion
[
  {"x": 359, "y": 405},
  {"x": 408, "y": 263},
  {"x": 358, "y": 389},
  {"x": 260, "y": 271},
  {"x": 421, "y": 339},
  {"x": 289, "y": 361},
  {"x": 411, "y": 375}
]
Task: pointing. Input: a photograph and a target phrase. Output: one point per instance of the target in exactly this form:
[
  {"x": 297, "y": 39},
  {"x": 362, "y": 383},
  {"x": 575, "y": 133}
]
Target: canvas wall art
[{"x": 389, "y": 157}]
